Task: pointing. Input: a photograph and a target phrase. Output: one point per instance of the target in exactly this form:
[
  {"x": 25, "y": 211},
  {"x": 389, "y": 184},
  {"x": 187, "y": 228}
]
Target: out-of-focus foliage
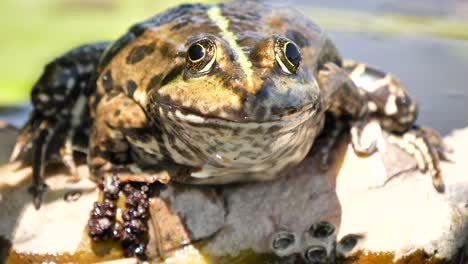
[{"x": 33, "y": 32}]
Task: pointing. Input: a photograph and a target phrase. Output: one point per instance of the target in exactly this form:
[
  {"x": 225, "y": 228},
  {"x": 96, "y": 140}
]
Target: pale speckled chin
[{"x": 228, "y": 151}]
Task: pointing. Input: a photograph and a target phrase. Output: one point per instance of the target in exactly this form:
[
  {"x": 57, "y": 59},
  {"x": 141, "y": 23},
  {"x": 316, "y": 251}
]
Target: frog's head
[
  {"x": 254, "y": 109},
  {"x": 218, "y": 80}
]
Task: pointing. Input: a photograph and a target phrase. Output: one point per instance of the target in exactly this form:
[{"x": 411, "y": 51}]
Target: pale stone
[{"x": 357, "y": 195}]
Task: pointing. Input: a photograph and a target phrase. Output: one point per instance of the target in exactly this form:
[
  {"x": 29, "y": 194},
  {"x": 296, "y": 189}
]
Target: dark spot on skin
[
  {"x": 115, "y": 48},
  {"x": 138, "y": 53},
  {"x": 126, "y": 103},
  {"x": 172, "y": 74},
  {"x": 131, "y": 87},
  {"x": 167, "y": 49},
  {"x": 107, "y": 81},
  {"x": 155, "y": 80},
  {"x": 116, "y": 113},
  {"x": 298, "y": 38}
]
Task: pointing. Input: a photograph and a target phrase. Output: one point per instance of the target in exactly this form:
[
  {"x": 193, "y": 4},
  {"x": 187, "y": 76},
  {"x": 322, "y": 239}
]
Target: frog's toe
[
  {"x": 66, "y": 155},
  {"x": 419, "y": 144},
  {"x": 23, "y": 139},
  {"x": 362, "y": 145},
  {"x": 437, "y": 142},
  {"x": 38, "y": 192}
]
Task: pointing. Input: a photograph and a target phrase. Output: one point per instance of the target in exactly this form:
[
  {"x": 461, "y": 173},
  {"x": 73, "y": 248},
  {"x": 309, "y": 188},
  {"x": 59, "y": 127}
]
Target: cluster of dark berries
[
  {"x": 135, "y": 228},
  {"x": 102, "y": 220},
  {"x": 133, "y": 232}
]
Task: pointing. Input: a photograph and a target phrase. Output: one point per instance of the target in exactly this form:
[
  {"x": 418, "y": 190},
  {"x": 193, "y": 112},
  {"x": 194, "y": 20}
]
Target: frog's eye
[
  {"x": 287, "y": 55},
  {"x": 201, "y": 56}
]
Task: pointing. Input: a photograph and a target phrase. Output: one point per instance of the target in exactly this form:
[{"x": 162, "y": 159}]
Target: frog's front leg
[
  {"x": 117, "y": 118},
  {"x": 343, "y": 101},
  {"x": 119, "y": 130},
  {"x": 389, "y": 103}
]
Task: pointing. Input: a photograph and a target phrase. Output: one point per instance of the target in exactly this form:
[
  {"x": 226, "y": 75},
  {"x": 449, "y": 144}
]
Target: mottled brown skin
[{"x": 248, "y": 108}]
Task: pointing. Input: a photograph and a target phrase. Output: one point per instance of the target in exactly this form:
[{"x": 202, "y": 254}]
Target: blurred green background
[
  {"x": 33, "y": 32},
  {"x": 424, "y": 42}
]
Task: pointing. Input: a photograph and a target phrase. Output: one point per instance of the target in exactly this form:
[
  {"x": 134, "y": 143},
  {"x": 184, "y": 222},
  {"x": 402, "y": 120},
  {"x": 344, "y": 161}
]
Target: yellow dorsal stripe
[{"x": 215, "y": 15}]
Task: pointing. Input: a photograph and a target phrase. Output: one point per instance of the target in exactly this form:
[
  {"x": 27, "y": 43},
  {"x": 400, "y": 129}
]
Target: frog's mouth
[{"x": 193, "y": 118}]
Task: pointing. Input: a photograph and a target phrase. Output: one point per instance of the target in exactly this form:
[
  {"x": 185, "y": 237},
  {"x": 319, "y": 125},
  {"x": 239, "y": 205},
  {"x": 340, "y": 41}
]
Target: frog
[{"x": 208, "y": 94}]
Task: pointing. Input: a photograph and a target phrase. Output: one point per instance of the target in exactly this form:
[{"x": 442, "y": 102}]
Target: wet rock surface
[{"x": 306, "y": 215}]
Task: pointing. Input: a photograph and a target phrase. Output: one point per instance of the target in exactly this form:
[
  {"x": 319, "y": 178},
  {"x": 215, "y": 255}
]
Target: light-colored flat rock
[{"x": 355, "y": 197}]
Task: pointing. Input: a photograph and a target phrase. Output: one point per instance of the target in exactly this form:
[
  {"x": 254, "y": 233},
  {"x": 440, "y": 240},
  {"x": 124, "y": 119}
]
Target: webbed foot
[{"x": 419, "y": 143}]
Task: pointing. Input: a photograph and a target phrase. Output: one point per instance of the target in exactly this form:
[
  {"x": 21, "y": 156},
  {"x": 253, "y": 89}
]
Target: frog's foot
[
  {"x": 66, "y": 155},
  {"x": 418, "y": 143},
  {"x": 315, "y": 245}
]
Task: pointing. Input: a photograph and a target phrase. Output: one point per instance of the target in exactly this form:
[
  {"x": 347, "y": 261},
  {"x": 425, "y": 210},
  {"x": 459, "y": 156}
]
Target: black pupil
[
  {"x": 292, "y": 53},
  {"x": 196, "y": 52}
]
